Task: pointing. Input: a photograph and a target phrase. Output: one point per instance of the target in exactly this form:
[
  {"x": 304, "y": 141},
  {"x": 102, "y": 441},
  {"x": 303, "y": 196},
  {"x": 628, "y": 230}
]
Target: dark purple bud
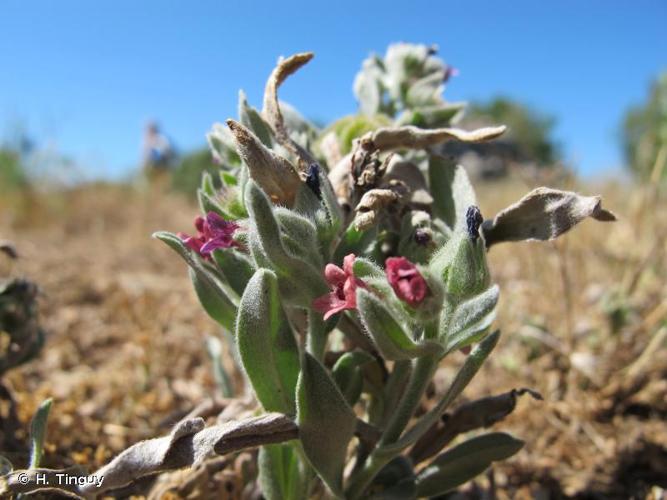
[
  {"x": 313, "y": 179},
  {"x": 474, "y": 219},
  {"x": 422, "y": 237}
]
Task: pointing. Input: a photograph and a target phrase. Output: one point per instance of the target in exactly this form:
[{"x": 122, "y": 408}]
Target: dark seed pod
[
  {"x": 313, "y": 179},
  {"x": 474, "y": 219}
]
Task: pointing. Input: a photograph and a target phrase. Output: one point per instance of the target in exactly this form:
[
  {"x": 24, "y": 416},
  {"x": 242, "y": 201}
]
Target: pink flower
[
  {"x": 406, "y": 280},
  {"x": 212, "y": 232},
  {"x": 343, "y": 293}
]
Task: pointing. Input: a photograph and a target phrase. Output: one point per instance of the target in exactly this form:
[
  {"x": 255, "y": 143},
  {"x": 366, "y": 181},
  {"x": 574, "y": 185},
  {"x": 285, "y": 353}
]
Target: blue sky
[{"x": 87, "y": 75}]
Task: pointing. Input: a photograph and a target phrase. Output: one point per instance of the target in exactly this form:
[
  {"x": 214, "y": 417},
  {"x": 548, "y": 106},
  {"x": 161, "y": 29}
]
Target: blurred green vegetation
[
  {"x": 12, "y": 171},
  {"x": 186, "y": 175},
  {"x": 529, "y": 130},
  {"x": 644, "y": 134}
]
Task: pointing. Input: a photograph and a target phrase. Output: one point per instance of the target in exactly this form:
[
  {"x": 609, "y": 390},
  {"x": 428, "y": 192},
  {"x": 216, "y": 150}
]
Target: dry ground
[{"x": 584, "y": 322}]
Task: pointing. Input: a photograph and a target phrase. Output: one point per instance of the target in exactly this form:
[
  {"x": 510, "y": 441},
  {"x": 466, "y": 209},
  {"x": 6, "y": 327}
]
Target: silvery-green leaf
[
  {"x": 251, "y": 119},
  {"x": 464, "y": 462},
  {"x": 38, "y": 432},
  {"x": 281, "y": 474},
  {"x": 299, "y": 235},
  {"x": 300, "y": 281},
  {"x": 433, "y": 116},
  {"x": 213, "y": 298},
  {"x": 410, "y": 137},
  {"x": 461, "y": 264},
  {"x": 366, "y": 268},
  {"x": 543, "y": 214},
  {"x": 388, "y": 334},
  {"x": 221, "y": 144},
  {"x": 266, "y": 343},
  {"x": 213, "y": 294},
  {"x": 426, "y": 90},
  {"x": 367, "y": 87},
  {"x": 451, "y": 190},
  {"x": 235, "y": 266},
  {"x": 470, "y": 367},
  {"x": 207, "y": 184},
  {"x": 469, "y": 321},
  {"x": 347, "y": 374},
  {"x": 326, "y": 422},
  {"x": 208, "y": 204}
]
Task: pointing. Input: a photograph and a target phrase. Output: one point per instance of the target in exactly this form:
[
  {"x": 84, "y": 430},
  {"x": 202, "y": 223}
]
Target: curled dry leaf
[
  {"x": 271, "y": 111},
  {"x": 188, "y": 444},
  {"x": 370, "y": 206},
  {"x": 276, "y": 175},
  {"x": 412, "y": 137},
  {"x": 476, "y": 414},
  {"x": 543, "y": 214}
]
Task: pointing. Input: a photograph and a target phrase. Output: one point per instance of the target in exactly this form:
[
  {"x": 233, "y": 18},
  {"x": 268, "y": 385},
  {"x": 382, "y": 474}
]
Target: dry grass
[{"x": 583, "y": 321}]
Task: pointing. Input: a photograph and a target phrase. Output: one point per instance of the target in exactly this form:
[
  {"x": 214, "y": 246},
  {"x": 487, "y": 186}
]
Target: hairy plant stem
[
  {"x": 419, "y": 380},
  {"x": 316, "y": 339}
]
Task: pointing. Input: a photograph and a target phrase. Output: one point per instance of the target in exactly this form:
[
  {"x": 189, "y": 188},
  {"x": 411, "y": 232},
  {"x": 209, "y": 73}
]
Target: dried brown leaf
[
  {"x": 543, "y": 214},
  {"x": 271, "y": 111},
  {"x": 189, "y": 444},
  {"x": 372, "y": 202},
  {"x": 412, "y": 137},
  {"x": 476, "y": 414},
  {"x": 274, "y": 174}
]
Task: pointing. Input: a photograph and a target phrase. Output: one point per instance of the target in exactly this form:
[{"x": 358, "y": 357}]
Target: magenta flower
[
  {"x": 212, "y": 232},
  {"x": 343, "y": 293},
  {"x": 406, "y": 280}
]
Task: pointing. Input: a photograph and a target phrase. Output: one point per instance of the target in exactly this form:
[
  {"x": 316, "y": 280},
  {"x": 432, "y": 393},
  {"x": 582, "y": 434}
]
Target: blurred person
[{"x": 157, "y": 154}]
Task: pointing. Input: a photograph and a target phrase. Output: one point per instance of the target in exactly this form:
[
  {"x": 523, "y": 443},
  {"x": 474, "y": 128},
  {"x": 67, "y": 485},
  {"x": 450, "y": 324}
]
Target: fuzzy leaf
[
  {"x": 470, "y": 320},
  {"x": 326, "y": 422},
  {"x": 235, "y": 266},
  {"x": 432, "y": 116},
  {"x": 266, "y": 344},
  {"x": 543, "y": 214},
  {"x": 208, "y": 204},
  {"x": 451, "y": 189},
  {"x": 300, "y": 281},
  {"x": 389, "y": 336},
  {"x": 367, "y": 88},
  {"x": 251, "y": 119},
  {"x": 280, "y": 473},
  {"x": 465, "y": 461},
  {"x": 299, "y": 235},
  {"x": 410, "y": 137},
  {"x": 207, "y": 184},
  {"x": 38, "y": 432},
  {"x": 347, "y": 374},
  {"x": 472, "y": 364},
  {"x": 212, "y": 293},
  {"x": 213, "y": 298}
]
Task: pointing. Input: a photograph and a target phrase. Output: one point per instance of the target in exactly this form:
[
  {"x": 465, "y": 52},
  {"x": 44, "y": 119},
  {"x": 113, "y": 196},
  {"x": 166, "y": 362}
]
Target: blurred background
[
  {"x": 81, "y": 81},
  {"x": 97, "y": 96}
]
